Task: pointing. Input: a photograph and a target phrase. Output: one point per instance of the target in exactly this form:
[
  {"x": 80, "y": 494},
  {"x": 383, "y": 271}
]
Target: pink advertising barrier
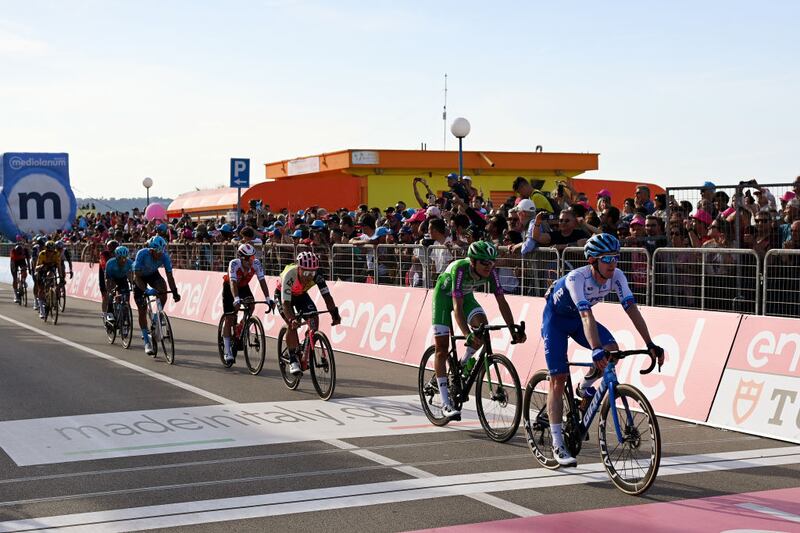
[
  {"x": 759, "y": 388},
  {"x": 696, "y": 345}
]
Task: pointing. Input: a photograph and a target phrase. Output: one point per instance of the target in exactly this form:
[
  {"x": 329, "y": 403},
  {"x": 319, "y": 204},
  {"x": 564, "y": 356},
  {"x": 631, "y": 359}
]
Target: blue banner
[{"x": 35, "y": 194}]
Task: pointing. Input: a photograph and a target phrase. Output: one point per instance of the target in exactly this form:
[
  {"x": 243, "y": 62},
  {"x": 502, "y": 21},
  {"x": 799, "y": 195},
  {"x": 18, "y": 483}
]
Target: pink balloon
[{"x": 155, "y": 211}]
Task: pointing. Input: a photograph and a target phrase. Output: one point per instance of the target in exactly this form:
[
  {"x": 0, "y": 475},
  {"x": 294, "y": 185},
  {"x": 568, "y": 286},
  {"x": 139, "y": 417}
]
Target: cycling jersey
[
  {"x": 116, "y": 271},
  {"x": 291, "y": 284},
  {"x": 105, "y": 255},
  {"x": 20, "y": 255},
  {"x": 145, "y": 264},
  {"x": 578, "y": 291},
  {"x": 49, "y": 258},
  {"x": 237, "y": 273},
  {"x": 458, "y": 281}
]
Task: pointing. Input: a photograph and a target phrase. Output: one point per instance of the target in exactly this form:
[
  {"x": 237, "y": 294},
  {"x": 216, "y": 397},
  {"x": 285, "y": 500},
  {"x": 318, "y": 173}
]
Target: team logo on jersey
[{"x": 746, "y": 399}]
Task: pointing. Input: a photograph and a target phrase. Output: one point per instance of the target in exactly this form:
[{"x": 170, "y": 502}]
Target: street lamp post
[
  {"x": 460, "y": 128},
  {"x": 147, "y": 182}
]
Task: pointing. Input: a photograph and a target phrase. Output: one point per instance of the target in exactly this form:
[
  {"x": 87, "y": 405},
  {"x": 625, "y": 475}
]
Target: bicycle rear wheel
[
  {"x": 255, "y": 345},
  {"x": 167, "y": 339},
  {"x": 24, "y": 297},
  {"x": 62, "y": 298},
  {"x": 54, "y": 305},
  {"x": 221, "y": 343},
  {"x": 536, "y": 420},
  {"x": 323, "y": 366},
  {"x": 289, "y": 379},
  {"x": 126, "y": 325},
  {"x": 633, "y": 463},
  {"x": 429, "y": 396},
  {"x": 499, "y": 404}
]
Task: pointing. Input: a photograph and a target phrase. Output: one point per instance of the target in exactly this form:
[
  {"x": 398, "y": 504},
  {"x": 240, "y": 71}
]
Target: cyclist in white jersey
[{"x": 568, "y": 313}]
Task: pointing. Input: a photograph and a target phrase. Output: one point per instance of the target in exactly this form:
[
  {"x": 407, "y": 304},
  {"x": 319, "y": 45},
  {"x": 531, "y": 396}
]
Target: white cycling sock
[
  {"x": 470, "y": 351},
  {"x": 227, "y": 342},
  {"x": 558, "y": 437},
  {"x": 442, "y": 382}
]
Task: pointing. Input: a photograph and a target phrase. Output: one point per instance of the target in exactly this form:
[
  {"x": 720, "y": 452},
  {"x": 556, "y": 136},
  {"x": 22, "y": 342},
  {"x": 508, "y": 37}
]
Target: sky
[{"x": 673, "y": 93}]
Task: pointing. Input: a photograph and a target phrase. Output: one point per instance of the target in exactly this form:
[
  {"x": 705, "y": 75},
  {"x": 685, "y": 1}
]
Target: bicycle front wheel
[
  {"x": 167, "y": 339},
  {"x": 498, "y": 397},
  {"x": 536, "y": 420},
  {"x": 633, "y": 463},
  {"x": 111, "y": 328},
  {"x": 255, "y": 345},
  {"x": 323, "y": 366},
  {"x": 54, "y": 305},
  {"x": 221, "y": 343},
  {"x": 126, "y": 326},
  {"x": 289, "y": 379}
]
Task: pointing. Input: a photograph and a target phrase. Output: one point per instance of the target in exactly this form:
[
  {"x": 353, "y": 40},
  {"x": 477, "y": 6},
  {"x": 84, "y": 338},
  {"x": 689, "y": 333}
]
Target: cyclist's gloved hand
[
  {"x": 518, "y": 336},
  {"x": 657, "y": 352},
  {"x": 336, "y": 318},
  {"x": 176, "y": 297},
  {"x": 598, "y": 354},
  {"x": 150, "y": 291},
  {"x": 237, "y": 301}
]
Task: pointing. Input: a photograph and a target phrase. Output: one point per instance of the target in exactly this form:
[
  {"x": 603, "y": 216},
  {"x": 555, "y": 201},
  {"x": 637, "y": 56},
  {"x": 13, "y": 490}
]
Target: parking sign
[{"x": 240, "y": 173}]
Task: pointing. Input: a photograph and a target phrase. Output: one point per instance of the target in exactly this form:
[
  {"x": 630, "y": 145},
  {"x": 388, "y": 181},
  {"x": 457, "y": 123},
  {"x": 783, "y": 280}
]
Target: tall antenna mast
[{"x": 444, "y": 113}]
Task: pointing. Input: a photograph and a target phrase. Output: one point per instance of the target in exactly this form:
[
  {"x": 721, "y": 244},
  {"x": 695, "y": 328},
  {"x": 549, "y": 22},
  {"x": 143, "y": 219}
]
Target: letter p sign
[{"x": 240, "y": 172}]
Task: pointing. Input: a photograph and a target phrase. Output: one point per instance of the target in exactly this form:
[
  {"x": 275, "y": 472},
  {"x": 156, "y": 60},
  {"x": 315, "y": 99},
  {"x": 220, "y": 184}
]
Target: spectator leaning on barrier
[
  {"x": 525, "y": 211},
  {"x": 567, "y": 233}
]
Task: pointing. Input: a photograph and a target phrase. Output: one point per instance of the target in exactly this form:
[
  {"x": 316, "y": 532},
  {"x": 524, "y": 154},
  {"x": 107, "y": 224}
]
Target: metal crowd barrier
[
  {"x": 635, "y": 262},
  {"x": 712, "y": 279},
  {"x": 782, "y": 283}
]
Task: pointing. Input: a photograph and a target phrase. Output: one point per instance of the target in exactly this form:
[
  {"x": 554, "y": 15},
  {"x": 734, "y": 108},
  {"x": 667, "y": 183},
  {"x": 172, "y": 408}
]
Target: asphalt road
[{"x": 189, "y": 451}]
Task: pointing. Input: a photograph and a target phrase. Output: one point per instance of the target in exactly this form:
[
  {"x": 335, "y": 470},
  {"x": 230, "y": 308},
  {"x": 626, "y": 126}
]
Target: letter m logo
[{"x": 25, "y": 197}]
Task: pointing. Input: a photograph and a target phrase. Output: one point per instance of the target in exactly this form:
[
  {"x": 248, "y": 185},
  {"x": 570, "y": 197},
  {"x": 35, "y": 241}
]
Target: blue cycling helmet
[
  {"x": 121, "y": 251},
  {"x": 601, "y": 244},
  {"x": 157, "y": 243}
]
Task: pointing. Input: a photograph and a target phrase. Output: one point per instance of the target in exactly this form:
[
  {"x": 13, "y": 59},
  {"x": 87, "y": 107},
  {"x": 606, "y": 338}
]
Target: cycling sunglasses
[
  {"x": 486, "y": 263},
  {"x": 608, "y": 259}
]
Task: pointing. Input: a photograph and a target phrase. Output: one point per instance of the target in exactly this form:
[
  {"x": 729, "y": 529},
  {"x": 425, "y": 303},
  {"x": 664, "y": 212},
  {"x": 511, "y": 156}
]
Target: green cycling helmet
[{"x": 482, "y": 251}]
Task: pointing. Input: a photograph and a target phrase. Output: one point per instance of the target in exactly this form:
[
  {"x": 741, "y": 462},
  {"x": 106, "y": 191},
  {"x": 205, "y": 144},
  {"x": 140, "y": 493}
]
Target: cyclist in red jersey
[
  {"x": 237, "y": 286},
  {"x": 20, "y": 260}
]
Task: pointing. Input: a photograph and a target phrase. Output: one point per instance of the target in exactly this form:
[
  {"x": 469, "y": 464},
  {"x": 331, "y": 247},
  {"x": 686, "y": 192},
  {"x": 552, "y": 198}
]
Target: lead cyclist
[
  {"x": 454, "y": 294},
  {"x": 568, "y": 313}
]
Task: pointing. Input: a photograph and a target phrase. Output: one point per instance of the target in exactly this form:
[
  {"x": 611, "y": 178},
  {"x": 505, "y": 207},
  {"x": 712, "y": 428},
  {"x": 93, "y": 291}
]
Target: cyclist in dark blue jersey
[
  {"x": 119, "y": 275},
  {"x": 145, "y": 272}
]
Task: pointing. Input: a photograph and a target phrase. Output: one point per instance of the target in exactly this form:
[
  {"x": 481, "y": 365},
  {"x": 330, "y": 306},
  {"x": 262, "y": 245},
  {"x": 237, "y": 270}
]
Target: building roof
[{"x": 222, "y": 199}]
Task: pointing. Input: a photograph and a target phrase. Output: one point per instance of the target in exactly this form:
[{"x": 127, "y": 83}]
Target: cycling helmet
[
  {"x": 111, "y": 245},
  {"x": 246, "y": 250},
  {"x": 157, "y": 243},
  {"x": 308, "y": 261},
  {"x": 121, "y": 251},
  {"x": 40, "y": 240},
  {"x": 60, "y": 245},
  {"x": 482, "y": 251},
  {"x": 50, "y": 245},
  {"x": 601, "y": 244},
  {"x": 18, "y": 247}
]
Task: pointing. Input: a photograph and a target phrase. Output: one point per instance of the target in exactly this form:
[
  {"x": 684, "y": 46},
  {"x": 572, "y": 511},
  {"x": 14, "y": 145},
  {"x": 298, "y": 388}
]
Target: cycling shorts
[
  {"x": 301, "y": 303},
  {"x": 227, "y": 297},
  {"x": 153, "y": 280},
  {"x": 443, "y": 312},
  {"x": 20, "y": 264},
  {"x": 102, "y": 278},
  {"x": 556, "y": 332}
]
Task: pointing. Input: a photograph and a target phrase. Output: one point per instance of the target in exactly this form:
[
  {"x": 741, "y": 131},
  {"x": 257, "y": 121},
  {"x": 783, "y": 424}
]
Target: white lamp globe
[
  {"x": 460, "y": 127},
  {"x": 147, "y": 182}
]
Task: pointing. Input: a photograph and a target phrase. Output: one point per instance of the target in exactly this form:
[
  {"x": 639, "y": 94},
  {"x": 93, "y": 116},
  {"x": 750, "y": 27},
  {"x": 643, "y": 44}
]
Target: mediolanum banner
[{"x": 760, "y": 388}]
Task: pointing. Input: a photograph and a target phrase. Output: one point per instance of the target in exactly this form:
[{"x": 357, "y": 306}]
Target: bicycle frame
[
  {"x": 465, "y": 384},
  {"x": 607, "y": 385},
  {"x": 159, "y": 309}
]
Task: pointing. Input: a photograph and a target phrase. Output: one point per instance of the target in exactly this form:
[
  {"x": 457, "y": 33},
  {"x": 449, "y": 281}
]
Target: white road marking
[
  {"x": 776, "y": 513},
  {"x": 303, "y": 501},
  {"x": 155, "y": 375}
]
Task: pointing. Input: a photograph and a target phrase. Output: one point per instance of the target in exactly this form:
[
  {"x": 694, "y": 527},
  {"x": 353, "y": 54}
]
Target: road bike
[
  {"x": 51, "y": 297},
  {"x": 160, "y": 327},
  {"x": 498, "y": 395},
  {"x": 316, "y": 355},
  {"x": 248, "y": 336},
  {"x": 122, "y": 324},
  {"x": 631, "y": 453}
]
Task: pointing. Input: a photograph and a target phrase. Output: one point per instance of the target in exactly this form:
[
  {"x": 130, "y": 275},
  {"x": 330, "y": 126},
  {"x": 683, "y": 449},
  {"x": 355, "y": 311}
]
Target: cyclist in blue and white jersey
[
  {"x": 145, "y": 272},
  {"x": 568, "y": 313},
  {"x": 119, "y": 275}
]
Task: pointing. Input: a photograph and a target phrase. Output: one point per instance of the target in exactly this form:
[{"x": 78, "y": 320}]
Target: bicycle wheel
[
  {"x": 154, "y": 338},
  {"x": 290, "y": 379},
  {"x": 24, "y": 297},
  {"x": 221, "y": 343},
  {"x": 323, "y": 366},
  {"x": 255, "y": 345},
  {"x": 167, "y": 339},
  {"x": 499, "y": 404},
  {"x": 126, "y": 326},
  {"x": 111, "y": 328},
  {"x": 62, "y": 298},
  {"x": 428, "y": 388},
  {"x": 633, "y": 463},
  {"x": 54, "y": 305},
  {"x": 536, "y": 420}
]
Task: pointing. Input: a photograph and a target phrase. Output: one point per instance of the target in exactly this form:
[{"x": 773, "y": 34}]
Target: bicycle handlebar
[
  {"x": 495, "y": 327},
  {"x": 622, "y": 354}
]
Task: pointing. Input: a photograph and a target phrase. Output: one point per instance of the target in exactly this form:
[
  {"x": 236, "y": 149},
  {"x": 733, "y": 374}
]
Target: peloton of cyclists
[
  {"x": 236, "y": 287},
  {"x": 453, "y": 293},
  {"x": 568, "y": 314},
  {"x": 148, "y": 282}
]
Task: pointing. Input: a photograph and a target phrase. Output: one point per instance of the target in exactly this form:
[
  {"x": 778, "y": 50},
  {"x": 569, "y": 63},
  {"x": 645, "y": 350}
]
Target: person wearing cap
[
  {"x": 525, "y": 211},
  {"x": 466, "y": 181},
  {"x": 708, "y": 190},
  {"x": 457, "y": 187},
  {"x": 319, "y": 234},
  {"x": 698, "y": 228},
  {"x": 603, "y": 200},
  {"x": 524, "y": 190},
  {"x": 433, "y": 212}
]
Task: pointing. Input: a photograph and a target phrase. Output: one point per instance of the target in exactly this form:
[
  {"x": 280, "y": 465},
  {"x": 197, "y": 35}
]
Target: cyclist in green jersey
[{"x": 454, "y": 292}]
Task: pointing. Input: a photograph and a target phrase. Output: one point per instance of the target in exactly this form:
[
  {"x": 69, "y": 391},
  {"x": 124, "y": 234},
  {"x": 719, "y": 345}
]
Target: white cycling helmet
[
  {"x": 246, "y": 250},
  {"x": 308, "y": 261}
]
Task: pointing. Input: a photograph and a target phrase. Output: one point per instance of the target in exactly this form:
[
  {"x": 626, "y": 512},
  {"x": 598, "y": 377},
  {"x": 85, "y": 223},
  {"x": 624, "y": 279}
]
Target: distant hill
[{"x": 119, "y": 204}]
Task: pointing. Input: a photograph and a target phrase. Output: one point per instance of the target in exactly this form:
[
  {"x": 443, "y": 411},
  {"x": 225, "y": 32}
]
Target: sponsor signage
[
  {"x": 134, "y": 433},
  {"x": 35, "y": 193},
  {"x": 760, "y": 388}
]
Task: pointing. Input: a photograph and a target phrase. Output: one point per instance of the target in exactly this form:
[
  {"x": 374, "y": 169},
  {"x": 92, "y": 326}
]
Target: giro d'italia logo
[{"x": 38, "y": 201}]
